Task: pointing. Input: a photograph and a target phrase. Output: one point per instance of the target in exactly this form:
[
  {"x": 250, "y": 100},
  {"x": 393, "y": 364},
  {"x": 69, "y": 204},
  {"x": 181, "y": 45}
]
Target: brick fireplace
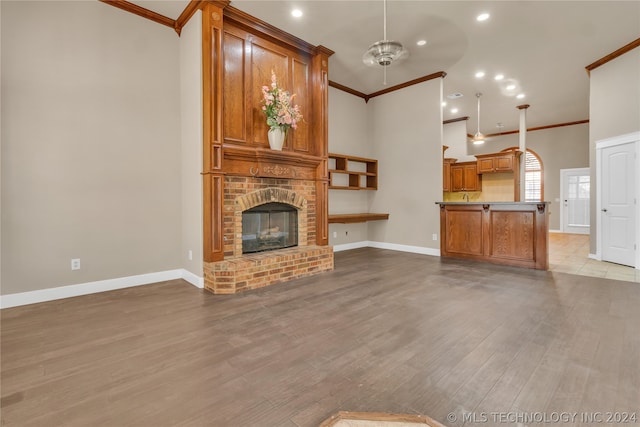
[
  {"x": 238, "y": 271},
  {"x": 241, "y": 172}
]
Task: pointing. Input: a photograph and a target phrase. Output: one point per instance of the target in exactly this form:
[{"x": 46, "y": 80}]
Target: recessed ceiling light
[
  {"x": 520, "y": 96},
  {"x": 480, "y": 74},
  {"x": 454, "y": 110},
  {"x": 455, "y": 95},
  {"x": 421, "y": 42},
  {"x": 499, "y": 76},
  {"x": 482, "y": 17},
  {"x": 511, "y": 87},
  {"x": 297, "y": 13}
]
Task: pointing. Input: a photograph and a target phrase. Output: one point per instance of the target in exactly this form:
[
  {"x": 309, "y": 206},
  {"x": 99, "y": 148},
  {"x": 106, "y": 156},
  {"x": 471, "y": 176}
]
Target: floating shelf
[
  {"x": 354, "y": 218},
  {"x": 352, "y": 173}
]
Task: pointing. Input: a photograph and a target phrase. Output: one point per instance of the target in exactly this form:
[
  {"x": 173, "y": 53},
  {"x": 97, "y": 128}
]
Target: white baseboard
[
  {"x": 192, "y": 278},
  {"x": 349, "y": 246},
  {"x": 42, "y": 295},
  {"x": 390, "y": 246},
  {"x": 405, "y": 248},
  {"x": 597, "y": 257},
  {"x": 555, "y": 231}
]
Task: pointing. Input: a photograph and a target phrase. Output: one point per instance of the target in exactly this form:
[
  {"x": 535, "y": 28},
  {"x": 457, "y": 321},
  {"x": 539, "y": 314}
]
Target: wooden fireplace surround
[{"x": 239, "y": 54}]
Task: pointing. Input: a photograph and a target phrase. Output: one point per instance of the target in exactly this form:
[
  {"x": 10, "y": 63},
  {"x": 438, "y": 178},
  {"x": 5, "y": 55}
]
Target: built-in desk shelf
[
  {"x": 352, "y": 173},
  {"x": 355, "y": 218}
]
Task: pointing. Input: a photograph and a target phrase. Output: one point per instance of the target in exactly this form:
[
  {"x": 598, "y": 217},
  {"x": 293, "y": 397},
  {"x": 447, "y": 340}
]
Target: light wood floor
[
  {"x": 385, "y": 332},
  {"x": 569, "y": 253}
]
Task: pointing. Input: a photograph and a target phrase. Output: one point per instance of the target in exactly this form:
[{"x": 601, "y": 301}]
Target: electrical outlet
[
  {"x": 190, "y": 255},
  {"x": 434, "y": 236},
  {"x": 335, "y": 234},
  {"x": 75, "y": 264}
]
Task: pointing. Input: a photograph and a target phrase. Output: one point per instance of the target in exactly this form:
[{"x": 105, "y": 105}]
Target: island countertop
[{"x": 511, "y": 233}]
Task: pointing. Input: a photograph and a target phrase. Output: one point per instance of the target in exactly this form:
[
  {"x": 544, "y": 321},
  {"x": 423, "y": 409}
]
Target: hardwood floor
[{"x": 385, "y": 332}]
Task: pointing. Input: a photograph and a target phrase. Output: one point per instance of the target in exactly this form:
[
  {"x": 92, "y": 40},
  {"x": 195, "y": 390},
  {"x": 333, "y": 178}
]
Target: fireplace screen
[{"x": 268, "y": 227}]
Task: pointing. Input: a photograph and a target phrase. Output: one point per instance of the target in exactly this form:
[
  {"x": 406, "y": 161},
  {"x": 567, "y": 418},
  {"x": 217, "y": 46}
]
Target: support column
[
  {"x": 321, "y": 134},
  {"x": 522, "y": 146},
  {"x": 212, "y": 172}
]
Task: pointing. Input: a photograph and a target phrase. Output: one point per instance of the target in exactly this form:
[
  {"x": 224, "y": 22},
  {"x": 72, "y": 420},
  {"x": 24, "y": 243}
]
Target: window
[{"x": 533, "y": 176}]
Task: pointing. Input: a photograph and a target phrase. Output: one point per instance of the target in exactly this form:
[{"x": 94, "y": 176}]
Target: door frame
[
  {"x": 563, "y": 177},
  {"x": 633, "y": 137}
]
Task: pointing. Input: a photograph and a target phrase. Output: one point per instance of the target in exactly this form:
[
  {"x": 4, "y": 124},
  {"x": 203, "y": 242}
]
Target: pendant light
[{"x": 478, "y": 138}]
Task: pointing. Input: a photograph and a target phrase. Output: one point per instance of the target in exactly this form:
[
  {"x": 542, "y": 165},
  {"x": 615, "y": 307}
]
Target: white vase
[{"x": 276, "y": 138}]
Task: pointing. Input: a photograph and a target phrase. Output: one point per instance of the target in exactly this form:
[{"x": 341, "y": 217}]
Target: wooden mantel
[{"x": 264, "y": 162}]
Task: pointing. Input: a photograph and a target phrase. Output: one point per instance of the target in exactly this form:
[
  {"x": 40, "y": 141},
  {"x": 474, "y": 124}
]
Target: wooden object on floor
[
  {"x": 464, "y": 177},
  {"x": 379, "y": 419},
  {"x": 394, "y": 331},
  {"x": 354, "y": 218},
  {"x": 502, "y": 233},
  {"x": 362, "y": 173}
]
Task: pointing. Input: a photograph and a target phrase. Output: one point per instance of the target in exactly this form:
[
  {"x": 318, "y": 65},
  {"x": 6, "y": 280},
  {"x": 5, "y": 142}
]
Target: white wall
[
  {"x": 349, "y": 133},
  {"x": 191, "y": 131},
  {"x": 90, "y": 144},
  {"x": 407, "y": 140},
  {"x": 614, "y": 109},
  {"x": 454, "y": 136}
]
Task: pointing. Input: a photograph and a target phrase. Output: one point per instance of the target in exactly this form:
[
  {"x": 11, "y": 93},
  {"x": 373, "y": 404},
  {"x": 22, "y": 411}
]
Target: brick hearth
[{"x": 266, "y": 268}]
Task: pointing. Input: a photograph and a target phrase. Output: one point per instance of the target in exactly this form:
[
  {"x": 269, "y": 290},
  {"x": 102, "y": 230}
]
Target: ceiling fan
[
  {"x": 478, "y": 138},
  {"x": 384, "y": 52}
]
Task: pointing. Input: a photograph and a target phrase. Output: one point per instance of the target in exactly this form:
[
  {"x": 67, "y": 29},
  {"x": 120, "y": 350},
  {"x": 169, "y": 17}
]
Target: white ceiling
[{"x": 541, "y": 46}]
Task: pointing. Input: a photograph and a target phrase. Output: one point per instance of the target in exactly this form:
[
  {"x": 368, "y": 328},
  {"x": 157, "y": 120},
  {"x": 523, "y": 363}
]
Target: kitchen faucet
[{"x": 465, "y": 196}]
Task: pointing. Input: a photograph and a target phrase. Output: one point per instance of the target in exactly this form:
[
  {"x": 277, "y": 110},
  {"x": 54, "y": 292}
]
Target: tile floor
[{"x": 569, "y": 253}]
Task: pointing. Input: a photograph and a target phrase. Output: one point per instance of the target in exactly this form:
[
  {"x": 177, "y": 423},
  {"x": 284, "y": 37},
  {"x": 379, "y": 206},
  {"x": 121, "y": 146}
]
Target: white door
[
  {"x": 575, "y": 188},
  {"x": 618, "y": 204}
]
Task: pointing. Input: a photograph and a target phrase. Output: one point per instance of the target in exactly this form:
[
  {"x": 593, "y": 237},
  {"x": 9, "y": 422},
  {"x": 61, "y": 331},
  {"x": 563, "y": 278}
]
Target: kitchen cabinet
[
  {"x": 498, "y": 162},
  {"x": 464, "y": 177},
  {"x": 446, "y": 174},
  {"x": 502, "y": 162},
  {"x": 508, "y": 233}
]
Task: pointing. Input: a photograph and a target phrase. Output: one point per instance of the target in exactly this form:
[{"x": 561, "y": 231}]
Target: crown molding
[
  {"x": 613, "y": 55},
  {"x": 439, "y": 74},
  {"x": 556, "y": 125},
  {"x": 176, "y": 24},
  {"x": 348, "y": 90},
  {"x": 187, "y": 13},
  {"x": 459, "y": 119},
  {"x": 141, "y": 11},
  {"x": 248, "y": 22}
]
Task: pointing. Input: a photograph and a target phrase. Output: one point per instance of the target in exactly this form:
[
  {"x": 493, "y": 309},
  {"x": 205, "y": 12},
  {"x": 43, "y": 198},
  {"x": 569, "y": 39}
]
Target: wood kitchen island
[{"x": 510, "y": 233}]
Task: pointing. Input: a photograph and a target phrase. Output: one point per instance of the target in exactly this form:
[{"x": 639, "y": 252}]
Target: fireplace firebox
[{"x": 269, "y": 227}]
